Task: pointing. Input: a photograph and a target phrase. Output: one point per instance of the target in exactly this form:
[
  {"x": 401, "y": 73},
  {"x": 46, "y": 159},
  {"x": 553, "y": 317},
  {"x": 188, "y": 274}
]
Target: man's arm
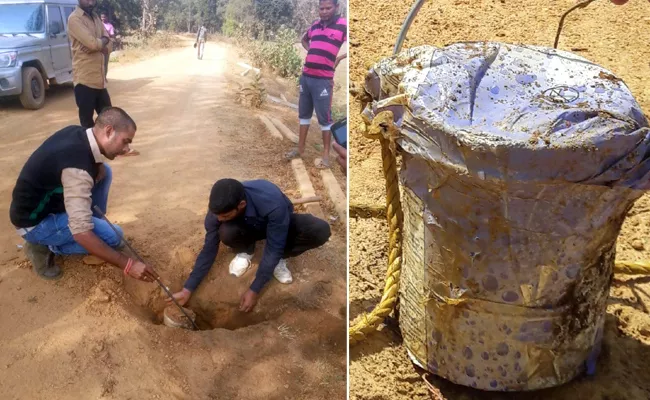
[
  {"x": 343, "y": 56},
  {"x": 339, "y": 58},
  {"x": 276, "y": 240},
  {"x": 85, "y": 36},
  {"x": 207, "y": 255},
  {"x": 305, "y": 41},
  {"x": 342, "y": 157},
  {"x": 77, "y": 189},
  {"x": 94, "y": 245}
]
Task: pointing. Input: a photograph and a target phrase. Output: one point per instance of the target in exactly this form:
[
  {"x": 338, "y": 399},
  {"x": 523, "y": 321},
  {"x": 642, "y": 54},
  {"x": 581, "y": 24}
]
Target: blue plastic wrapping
[{"x": 519, "y": 164}]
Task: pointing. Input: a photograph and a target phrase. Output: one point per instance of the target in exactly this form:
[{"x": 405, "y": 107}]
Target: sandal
[
  {"x": 292, "y": 154},
  {"x": 321, "y": 164}
]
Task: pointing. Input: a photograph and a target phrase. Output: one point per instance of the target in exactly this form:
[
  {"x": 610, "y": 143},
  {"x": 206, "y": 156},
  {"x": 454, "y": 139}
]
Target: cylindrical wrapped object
[{"x": 519, "y": 164}]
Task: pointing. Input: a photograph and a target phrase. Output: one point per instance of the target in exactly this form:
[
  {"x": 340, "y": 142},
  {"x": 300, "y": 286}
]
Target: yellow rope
[
  {"x": 382, "y": 129},
  {"x": 632, "y": 268}
]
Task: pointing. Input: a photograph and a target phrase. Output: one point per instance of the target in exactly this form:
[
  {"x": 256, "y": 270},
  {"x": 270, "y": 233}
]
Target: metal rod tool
[
  {"x": 99, "y": 211},
  {"x": 582, "y": 4}
]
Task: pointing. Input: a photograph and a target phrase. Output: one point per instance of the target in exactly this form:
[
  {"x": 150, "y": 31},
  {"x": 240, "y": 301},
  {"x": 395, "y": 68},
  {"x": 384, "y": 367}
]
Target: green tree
[
  {"x": 174, "y": 15},
  {"x": 239, "y": 18},
  {"x": 272, "y": 14},
  {"x": 304, "y": 14}
]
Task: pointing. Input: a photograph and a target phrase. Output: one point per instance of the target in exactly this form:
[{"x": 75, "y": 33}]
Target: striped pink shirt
[{"x": 324, "y": 45}]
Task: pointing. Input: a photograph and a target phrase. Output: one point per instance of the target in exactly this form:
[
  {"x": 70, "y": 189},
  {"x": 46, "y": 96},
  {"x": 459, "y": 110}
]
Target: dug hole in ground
[
  {"x": 614, "y": 37},
  {"x": 96, "y": 335}
]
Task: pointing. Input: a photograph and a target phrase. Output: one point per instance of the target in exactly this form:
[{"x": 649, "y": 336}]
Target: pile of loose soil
[{"x": 615, "y": 37}]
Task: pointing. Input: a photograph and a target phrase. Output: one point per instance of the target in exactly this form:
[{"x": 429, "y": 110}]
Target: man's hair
[
  {"x": 335, "y": 2},
  {"x": 225, "y": 196},
  {"x": 117, "y": 118}
]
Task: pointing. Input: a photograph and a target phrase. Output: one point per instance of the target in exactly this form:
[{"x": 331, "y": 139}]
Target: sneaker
[
  {"x": 282, "y": 273},
  {"x": 240, "y": 264},
  {"x": 42, "y": 260}
]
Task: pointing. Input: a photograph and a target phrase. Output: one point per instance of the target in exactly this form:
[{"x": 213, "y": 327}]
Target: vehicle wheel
[{"x": 33, "y": 96}]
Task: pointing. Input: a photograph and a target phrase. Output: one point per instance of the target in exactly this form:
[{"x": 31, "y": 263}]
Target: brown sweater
[{"x": 86, "y": 33}]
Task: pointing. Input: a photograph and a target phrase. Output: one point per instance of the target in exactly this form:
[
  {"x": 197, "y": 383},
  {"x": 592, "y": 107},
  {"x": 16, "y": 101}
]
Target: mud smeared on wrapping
[{"x": 518, "y": 169}]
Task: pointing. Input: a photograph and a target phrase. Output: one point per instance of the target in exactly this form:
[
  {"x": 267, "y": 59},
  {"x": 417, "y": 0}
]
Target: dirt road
[
  {"x": 616, "y": 38},
  {"x": 93, "y": 335}
]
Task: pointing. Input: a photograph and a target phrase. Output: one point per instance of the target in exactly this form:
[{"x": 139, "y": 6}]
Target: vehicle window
[
  {"x": 55, "y": 21},
  {"x": 67, "y": 11},
  {"x": 21, "y": 18}
]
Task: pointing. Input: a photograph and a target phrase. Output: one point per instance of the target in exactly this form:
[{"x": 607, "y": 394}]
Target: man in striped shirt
[{"x": 322, "y": 41}]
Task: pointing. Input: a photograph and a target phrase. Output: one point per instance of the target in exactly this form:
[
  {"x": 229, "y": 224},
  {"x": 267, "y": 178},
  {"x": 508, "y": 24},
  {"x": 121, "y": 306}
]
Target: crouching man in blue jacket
[{"x": 239, "y": 215}]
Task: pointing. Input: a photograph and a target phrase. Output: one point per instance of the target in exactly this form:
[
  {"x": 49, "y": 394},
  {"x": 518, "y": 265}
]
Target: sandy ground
[
  {"x": 95, "y": 335},
  {"x": 616, "y": 38}
]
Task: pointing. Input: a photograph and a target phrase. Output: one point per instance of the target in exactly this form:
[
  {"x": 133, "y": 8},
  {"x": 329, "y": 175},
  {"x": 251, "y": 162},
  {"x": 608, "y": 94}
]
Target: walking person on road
[
  {"x": 57, "y": 188},
  {"x": 199, "y": 44},
  {"x": 323, "y": 41},
  {"x": 110, "y": 29},
  {"x": 243, "y": 213}
]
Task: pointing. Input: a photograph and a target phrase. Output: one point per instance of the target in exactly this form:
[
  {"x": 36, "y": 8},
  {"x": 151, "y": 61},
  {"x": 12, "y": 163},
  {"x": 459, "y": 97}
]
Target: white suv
[{"x": 35, "y": 49}]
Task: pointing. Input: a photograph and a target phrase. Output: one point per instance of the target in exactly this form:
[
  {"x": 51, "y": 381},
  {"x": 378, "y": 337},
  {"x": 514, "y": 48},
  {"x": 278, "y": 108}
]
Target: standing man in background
[
  {"x": 323, "y": 42},
  {"x": 110, "y": 29},
  {"x": 91, "y": 46}
]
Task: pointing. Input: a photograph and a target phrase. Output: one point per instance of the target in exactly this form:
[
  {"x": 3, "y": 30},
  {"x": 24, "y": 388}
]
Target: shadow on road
[{"x": 59, "y": 93}]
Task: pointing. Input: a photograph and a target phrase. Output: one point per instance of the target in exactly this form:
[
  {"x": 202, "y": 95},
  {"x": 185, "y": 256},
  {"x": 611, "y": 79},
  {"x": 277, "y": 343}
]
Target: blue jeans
[{"x": 53, "y": 231}]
